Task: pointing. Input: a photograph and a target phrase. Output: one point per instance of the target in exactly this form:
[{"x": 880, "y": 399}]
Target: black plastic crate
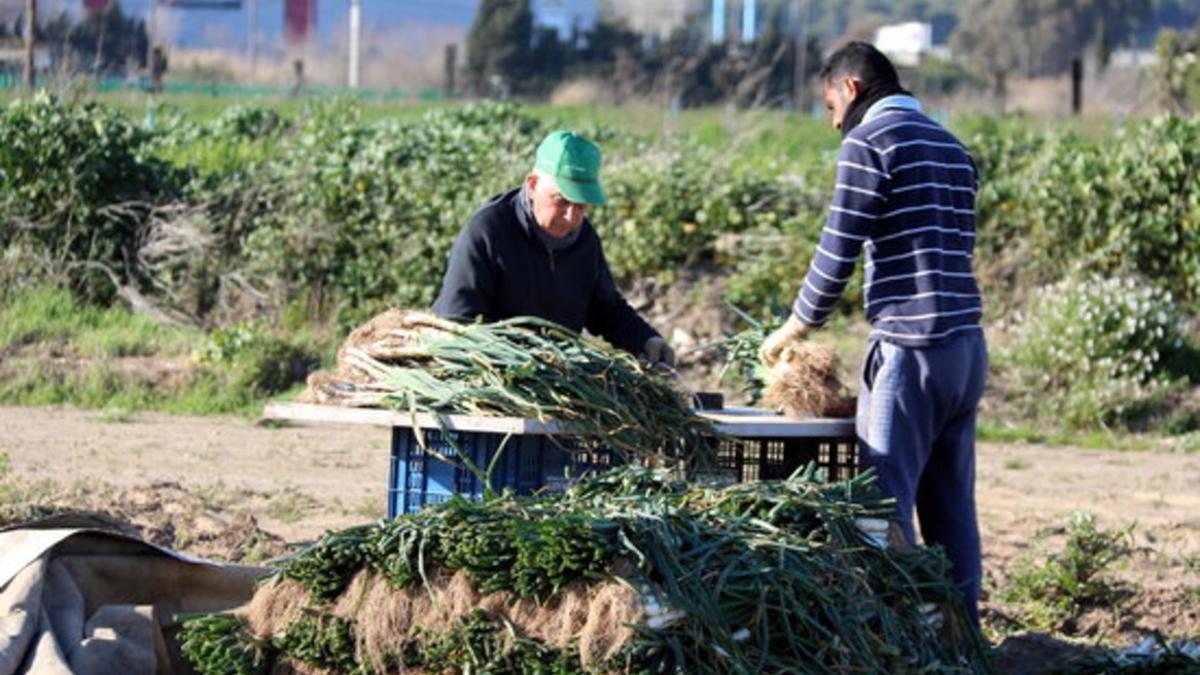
[
  {"x": 751, "y": 459},
  {"x": 528, "y": 464}
]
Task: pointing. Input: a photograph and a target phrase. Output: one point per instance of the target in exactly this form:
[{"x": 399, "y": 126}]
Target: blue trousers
[{"x": 916, "y": 427}]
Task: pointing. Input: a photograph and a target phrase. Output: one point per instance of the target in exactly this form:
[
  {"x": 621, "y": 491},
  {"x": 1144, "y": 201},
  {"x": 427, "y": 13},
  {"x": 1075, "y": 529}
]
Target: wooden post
[
  {"x": 30, "y": 42},
  {"x": 1076, "y": 86},
  {"x": 451, "y": 68}
]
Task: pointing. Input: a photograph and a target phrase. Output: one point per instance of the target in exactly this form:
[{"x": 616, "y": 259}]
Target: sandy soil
[{"x": 296, "y": 482}]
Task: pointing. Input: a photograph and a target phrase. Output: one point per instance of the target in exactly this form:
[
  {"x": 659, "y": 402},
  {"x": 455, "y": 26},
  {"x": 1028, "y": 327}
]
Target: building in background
[{"x": 905, "y": 43}]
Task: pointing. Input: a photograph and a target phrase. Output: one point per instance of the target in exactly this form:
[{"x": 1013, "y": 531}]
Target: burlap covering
[{"x": 88, "y": 601}]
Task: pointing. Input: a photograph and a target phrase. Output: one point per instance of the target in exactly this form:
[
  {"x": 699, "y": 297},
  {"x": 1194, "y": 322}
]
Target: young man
[
  {"x": 532, "y": 252},
  {"x": 905, "y": 193}
]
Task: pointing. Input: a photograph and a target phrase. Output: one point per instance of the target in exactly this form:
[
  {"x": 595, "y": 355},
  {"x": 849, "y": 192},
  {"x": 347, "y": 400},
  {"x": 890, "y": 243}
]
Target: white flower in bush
[{"x": 1090, "y": 350}]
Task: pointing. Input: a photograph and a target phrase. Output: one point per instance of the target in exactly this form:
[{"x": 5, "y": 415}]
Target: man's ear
[
  {"x": 531, "y": 182},
  {"x": 853, "y": 87}
]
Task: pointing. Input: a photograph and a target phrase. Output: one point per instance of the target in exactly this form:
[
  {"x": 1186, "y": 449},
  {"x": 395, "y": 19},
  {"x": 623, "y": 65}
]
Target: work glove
[
  {"x": 793, "y": 330},
  {"x": 656, "y": 351}
]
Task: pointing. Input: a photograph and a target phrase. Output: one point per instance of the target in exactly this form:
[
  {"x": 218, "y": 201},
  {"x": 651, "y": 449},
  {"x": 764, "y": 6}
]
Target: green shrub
[
  {"x": 1092, "y": 351},
  {"x": 1123, "y": 205},
  {"x": 253, "y": 361},
  {"x": 1069, "y": 581},
  {"x": 670, "y": 205},
  {"x": 77, "y": 182},
  {"x": 1179, "y": 69},
  {"x": 363, "y": 215}
]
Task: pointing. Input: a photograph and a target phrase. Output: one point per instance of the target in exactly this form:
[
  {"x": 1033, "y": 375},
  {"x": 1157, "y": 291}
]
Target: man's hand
[
  {"x": 793, "y": 330},
  {"x": 656, "y": 351}
]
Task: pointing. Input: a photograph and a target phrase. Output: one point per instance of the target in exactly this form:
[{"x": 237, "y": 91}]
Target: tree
[
  {"x": 105, "y": 43},
  {"x": 1042, "y": 37},
  {"x": 500, "y": 46},
  {"x": 1114, "y": 23}
]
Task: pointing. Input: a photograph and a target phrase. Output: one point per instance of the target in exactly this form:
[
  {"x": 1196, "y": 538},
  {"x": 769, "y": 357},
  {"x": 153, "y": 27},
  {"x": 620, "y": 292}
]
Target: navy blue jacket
[{"x": 499, "y": 269}]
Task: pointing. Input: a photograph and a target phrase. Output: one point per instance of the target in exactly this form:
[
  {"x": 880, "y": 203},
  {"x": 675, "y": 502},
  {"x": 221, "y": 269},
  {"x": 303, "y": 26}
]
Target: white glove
[
  {"x": 793, "y": 330},
  {"x": 656, "y": 351}
]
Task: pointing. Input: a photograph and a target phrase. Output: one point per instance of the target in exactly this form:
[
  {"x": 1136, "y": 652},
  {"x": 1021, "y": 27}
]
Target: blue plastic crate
[{"x": 528, "y": 464}]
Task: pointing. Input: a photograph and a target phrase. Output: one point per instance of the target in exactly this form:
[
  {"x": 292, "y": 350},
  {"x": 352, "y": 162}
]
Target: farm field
[
  {"x": 225, "y": 488},
  {"x": 170, "y": 268}
]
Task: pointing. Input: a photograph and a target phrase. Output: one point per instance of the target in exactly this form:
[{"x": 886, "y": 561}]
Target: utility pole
[
  {"x": 30, "y": 41},
  {"x": 355, "y": 36}
]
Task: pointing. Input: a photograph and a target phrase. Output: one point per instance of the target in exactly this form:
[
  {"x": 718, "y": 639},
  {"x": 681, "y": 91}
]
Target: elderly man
[
  {"x": 532, "y": 252},
  {"x": 905, "y": 193}
]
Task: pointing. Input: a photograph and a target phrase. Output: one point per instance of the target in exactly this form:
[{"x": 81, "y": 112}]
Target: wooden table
[
  {"x": 762, "y": 446},
  {"x": 736, "y": 422}
]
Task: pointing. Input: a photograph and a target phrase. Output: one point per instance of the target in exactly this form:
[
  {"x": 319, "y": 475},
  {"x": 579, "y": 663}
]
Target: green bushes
[
  {"x": 671, "y": 206},
  {"x": 361, "y": 216},
  {"x": 1123, "y": 205},
  {"x": 76, "y": 183},
  {"x": 1093, "y": 351},
  {"x": 322, "y": 217}
]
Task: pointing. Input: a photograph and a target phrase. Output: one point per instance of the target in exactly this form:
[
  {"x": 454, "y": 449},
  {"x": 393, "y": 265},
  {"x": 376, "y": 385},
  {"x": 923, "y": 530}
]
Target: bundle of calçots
[
  {"x": 522, "y": 367},
  {"x": 631, "y": 571}
]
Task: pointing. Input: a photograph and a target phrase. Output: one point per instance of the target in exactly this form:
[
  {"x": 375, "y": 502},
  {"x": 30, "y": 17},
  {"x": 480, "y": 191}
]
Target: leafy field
[{"x": 261, "y": 233}]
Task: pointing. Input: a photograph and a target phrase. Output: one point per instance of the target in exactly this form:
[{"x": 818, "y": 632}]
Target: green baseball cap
[{"x": 574, "y": 161}]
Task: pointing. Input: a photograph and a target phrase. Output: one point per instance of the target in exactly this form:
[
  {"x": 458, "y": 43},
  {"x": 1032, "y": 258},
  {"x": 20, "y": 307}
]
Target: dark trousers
[{"x": 916, "y": 427}]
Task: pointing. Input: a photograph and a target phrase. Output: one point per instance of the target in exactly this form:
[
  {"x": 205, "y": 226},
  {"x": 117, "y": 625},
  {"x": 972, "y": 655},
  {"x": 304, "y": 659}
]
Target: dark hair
[{"x": 860, "y": 61}]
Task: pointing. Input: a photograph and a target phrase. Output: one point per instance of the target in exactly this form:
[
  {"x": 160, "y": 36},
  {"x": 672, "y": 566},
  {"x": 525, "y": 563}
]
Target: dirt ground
[{"x": 226, "y": 488}]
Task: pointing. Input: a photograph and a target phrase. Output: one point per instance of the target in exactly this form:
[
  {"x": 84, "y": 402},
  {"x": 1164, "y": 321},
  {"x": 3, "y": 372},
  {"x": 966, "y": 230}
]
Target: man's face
[
  {"x": 839, "y": 93},
  {"x": 554, "y": 213}
]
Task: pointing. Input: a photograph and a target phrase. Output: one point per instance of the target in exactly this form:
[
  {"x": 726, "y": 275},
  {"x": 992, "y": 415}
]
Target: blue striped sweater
[{"x": 905, "y": 193}]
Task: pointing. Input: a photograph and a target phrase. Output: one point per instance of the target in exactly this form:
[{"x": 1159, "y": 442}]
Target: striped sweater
[{"x": 906, "y": 194}]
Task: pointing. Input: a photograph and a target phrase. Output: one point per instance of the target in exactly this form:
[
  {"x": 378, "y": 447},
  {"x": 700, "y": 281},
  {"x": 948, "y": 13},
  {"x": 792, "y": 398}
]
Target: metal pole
[
  {"x": 355, "y": 35},
  {"x": 30, "y": 41}
]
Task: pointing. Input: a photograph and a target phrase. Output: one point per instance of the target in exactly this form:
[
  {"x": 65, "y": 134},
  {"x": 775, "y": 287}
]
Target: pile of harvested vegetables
[
  {"x": 524, "y": 367},
  {"x": 631, "y": 571}
]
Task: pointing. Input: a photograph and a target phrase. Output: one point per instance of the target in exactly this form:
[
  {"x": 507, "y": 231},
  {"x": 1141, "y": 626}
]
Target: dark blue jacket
[{"x": 499, "y": 269}]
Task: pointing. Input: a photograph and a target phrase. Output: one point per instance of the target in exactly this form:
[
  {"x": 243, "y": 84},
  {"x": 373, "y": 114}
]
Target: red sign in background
[
  {"x": 299, "y": 19},
  {"x": 94, "y": 6}
]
